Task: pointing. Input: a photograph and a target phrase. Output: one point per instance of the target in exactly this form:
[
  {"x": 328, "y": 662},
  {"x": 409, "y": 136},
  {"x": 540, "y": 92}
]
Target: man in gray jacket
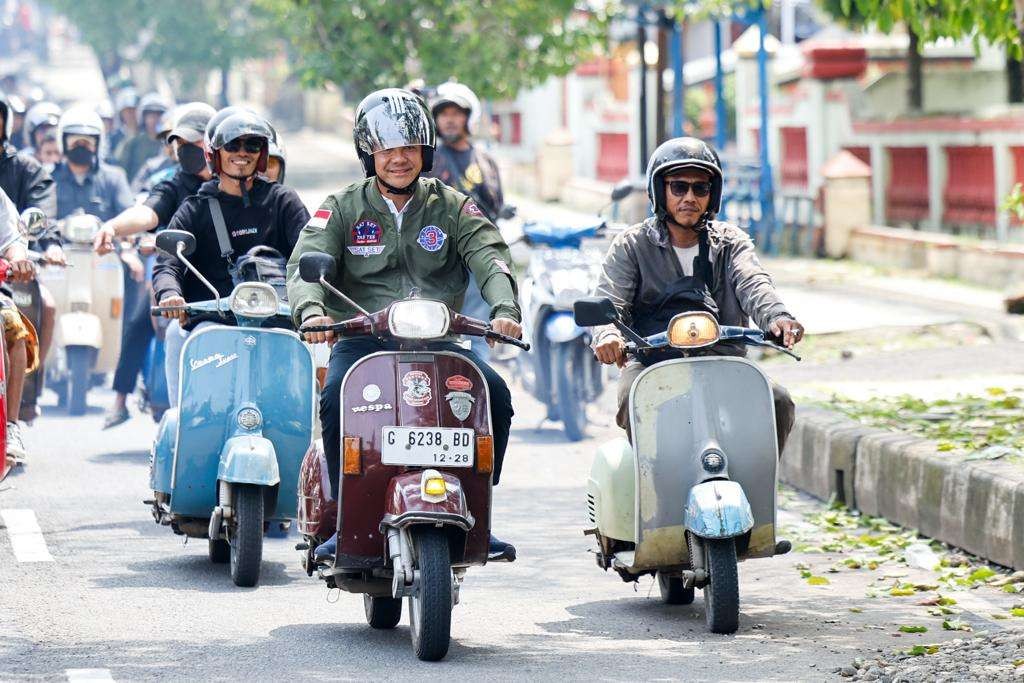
[{"x": 682, "y": 259}]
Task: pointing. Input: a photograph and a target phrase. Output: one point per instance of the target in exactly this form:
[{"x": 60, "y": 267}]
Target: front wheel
[
  {"x": 722, "y": 593},
  {"x": 430, "y": 606},
  {"x": 247, "y": 535},
  {"x": 79, "y": 378},
  {"x": 570, "y": 388},
  {"x": 382, "y": 612}
]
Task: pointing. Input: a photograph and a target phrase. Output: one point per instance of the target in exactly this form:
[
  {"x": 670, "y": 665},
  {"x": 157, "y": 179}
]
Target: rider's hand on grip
[
  {"x": 22, "y": 270},
  {"x": 611, "y": 350},
  {"x": 786, "y": 331},
  {"x": 318, "y": 337},
  {"x": 507, "y": 327},
  {"x": 103, "y": 243},
  {"x": 169, "y": 301}
]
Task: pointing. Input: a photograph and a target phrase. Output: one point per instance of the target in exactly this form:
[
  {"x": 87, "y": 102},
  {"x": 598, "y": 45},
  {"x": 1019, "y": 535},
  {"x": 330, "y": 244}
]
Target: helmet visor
[{"x": 396, "y": 122}]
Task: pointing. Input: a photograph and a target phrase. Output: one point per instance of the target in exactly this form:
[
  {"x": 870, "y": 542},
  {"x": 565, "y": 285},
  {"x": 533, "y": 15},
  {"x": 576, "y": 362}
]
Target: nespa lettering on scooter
[
  {"x": 219, "y": 358},
  {"x": 372, "y": 408}
]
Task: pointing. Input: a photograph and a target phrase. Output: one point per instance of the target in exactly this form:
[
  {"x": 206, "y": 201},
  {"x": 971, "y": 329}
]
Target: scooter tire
[
  {"x": 382, "y": 612},
  {"x": 722, "y": 592},
  {"x": 673, "y": 591},
  {"x": 79, "y": 378},
  {"x": 219, "y": 550},
  {"x": 247, "y": 535},
  {"x": 430, "y": 607},
  {"x": 572, "y": 407}
]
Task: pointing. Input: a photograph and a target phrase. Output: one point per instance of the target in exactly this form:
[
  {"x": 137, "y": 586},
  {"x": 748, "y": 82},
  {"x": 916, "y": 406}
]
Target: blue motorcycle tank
[{"x": 224, "y": 369}]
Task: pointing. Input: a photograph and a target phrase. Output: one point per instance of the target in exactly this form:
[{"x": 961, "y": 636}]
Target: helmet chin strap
[
  {"x": 242, "y": 186},
  {"x": 408, "y": 189},
  {"x": 699, "y": 226}
]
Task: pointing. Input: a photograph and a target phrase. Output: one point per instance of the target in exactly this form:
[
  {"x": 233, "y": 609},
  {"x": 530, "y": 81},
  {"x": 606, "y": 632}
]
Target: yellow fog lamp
[
  {"x": 693, "y": 330},
  {"x": 433, "y": 487}
]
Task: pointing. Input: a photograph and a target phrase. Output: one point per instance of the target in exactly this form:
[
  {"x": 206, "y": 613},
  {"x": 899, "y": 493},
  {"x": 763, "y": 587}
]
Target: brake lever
[
  {"x": 780, "y": 347},
  {"x": 505, "y": 339}
]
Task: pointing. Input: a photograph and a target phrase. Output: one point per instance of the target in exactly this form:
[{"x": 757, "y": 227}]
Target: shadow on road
[
  {"x": 190, "y": 573},
  {"x": 121, "y": 457}
]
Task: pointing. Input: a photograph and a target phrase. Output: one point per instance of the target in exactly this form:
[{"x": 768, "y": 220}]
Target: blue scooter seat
[{"x": 569, "y": 234}]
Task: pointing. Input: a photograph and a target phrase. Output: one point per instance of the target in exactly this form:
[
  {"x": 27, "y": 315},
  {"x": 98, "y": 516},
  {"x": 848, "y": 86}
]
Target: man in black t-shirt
[
  {"x": 186, "y": 137},
  {"x": 255, "y": 212}
]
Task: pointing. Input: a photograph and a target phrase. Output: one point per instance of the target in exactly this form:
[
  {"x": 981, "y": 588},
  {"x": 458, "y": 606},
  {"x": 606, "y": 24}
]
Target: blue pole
[
  {"x": 720, "y": 115},
  {"x": 767, "y": 191},
  {"x": 678, "y": 85}
]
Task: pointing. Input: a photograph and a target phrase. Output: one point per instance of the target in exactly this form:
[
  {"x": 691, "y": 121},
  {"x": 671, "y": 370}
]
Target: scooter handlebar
[
  {"x": 157, "y": 311},
  {"x": 505, "y": 339}
]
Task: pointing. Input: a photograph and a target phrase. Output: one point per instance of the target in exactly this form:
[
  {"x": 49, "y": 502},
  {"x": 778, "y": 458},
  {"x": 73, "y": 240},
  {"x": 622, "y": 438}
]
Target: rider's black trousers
[
  {"x": 136, "y": 333},
  {"x": 345, "y": 354}
]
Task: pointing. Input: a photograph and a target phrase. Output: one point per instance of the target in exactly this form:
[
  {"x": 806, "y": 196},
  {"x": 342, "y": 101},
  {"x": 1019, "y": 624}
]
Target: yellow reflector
[
  {"x": 115, "y": 307},
  {"x": 484, "y": 454},
  {"x": 352, "y": 462},
  {"x": 434, "y": 487},
  {"x": 692, "y": 330}
]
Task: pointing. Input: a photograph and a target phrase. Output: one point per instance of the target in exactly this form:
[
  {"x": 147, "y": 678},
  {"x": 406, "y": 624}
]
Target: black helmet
[
  {"x": 243, "y": 124},
  {"x": 190, "y": 121},
  {"x": 7, "y": 112},
  {"x": 215, "y": 120},
  {"x": 392, "y": 118},
  {"x": 679, "y": 153}
]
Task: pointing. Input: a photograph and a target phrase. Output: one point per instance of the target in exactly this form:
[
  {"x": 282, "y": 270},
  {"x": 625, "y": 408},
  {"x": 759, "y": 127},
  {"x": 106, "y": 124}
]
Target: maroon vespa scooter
[{"x": 417, "y": 456}]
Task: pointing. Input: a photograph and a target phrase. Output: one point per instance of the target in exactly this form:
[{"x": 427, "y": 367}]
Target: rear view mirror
[
  {"x": 314, "y": 265},
  {"x": 33, "y": 220},
  {"x": 622, "y": 190},
  {"x": 507, "y": 212},
  {"x": 593, "y": 311},
  {"x": 167, "y": 241}
]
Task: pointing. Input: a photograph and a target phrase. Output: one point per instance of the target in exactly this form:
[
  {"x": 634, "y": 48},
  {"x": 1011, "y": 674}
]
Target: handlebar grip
[
  {"x": 160, "y": 310},
  {"x": 318, "y": 328},
  {"x": 505, "y": 339}
]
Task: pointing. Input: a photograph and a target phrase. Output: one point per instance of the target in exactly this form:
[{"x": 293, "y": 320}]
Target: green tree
[
  {"x": 185, "y": 40},
  {"x": 497, "y": 47}
]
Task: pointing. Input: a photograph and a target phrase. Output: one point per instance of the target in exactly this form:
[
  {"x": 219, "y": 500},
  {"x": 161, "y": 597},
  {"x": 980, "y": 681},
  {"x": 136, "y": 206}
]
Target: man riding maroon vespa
[{"x": 392, "y": 234}]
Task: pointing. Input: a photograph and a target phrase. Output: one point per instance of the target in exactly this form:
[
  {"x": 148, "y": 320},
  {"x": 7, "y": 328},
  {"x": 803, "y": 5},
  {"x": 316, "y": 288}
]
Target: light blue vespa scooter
[
  {"x": 225, "y": 463},
  {"x": 695, "y": 491}
]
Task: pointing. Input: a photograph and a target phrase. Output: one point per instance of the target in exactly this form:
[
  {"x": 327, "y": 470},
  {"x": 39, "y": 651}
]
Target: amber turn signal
[
  {"x": 352, "y": 461},
  {"x": 484, "y": 454},
  {"x": 693, "y": 330},
  {"x": 115, "y": 308}
]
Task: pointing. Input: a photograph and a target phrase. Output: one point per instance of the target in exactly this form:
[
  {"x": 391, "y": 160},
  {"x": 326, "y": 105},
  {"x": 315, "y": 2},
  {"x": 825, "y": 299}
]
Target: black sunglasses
[
  {"x": 252, "y": 145},
  {"x": 679, "y": 188}
]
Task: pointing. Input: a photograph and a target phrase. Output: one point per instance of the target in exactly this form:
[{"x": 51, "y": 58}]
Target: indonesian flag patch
[{"x": 319, "y": 219}]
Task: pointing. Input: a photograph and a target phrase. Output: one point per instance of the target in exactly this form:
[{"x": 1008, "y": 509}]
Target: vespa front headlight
[
  {"x": 419, "y": 319},
  {"x": 693, "y": 330},
  {"x": 254, "y": 300},
  {"x": 81, "y": 229}
]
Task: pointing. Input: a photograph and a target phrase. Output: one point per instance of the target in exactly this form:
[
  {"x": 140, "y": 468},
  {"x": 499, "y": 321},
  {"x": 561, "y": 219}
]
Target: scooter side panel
[
  {"x": 679, "y": 407},
  {"x": 162, "y": 456},
  {"x": 408, "y": 401},
  {"x": 224, "y": 369}
]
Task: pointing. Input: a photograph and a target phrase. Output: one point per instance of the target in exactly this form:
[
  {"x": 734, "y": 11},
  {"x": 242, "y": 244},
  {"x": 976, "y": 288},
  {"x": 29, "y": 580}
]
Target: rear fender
[
  {"x": 161, "y": 461},
  {"x": 560, "y": 327},
  {"x": 718, "y": 509},
  {"x": 80, "y": 329},
  {"x": 249, "y": 459},
  {"x": 404, "y": 503}
]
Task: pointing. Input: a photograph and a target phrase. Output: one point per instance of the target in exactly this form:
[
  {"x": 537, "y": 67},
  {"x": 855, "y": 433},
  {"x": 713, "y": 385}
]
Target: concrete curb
[{"x": 974, "y": 505}]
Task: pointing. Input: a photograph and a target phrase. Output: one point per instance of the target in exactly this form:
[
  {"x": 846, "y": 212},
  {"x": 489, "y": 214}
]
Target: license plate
[{"x": 427, "y": 446}]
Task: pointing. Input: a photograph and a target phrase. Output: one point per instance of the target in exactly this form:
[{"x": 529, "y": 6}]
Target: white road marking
[
  {"x": 76, "y": 675},
  {"x": 26, "y": 536}
]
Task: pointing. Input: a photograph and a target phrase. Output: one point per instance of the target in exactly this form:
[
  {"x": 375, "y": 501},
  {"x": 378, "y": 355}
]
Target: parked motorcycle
[
  {"x": 225, "y": 462},
  {"x": 89, "y": 295},
  {"x": 696, "y": 491},
  {"x": 417, "y": 459}
]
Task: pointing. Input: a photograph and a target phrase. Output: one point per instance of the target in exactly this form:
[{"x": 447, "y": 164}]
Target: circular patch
[
  {"x": 431, "y": 238},
  {"x": 371, "y": 392}
]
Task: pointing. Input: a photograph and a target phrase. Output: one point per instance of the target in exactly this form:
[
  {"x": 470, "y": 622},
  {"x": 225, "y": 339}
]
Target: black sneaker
[{"x": 500, "y": 551}]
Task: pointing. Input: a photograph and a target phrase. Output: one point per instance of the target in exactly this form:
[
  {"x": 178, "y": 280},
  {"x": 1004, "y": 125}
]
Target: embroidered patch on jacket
[
  {"x": 366, "y": 239},
  {"x": 319, "y": 219},
  {"x": 431, "y": 238},
  {"x": 471, "y": 209}
]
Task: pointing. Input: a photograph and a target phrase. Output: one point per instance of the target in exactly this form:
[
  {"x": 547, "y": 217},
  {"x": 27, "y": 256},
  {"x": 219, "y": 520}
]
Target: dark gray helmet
[
  {"x": 243, "y": 124},
  {"x": 190, "y": 121},
  {"x": 277, "y": 150},
  {"x": 392, "y": 118},
  {"x": 219, "y": 116},
  {"x": 679, "y": 153}
]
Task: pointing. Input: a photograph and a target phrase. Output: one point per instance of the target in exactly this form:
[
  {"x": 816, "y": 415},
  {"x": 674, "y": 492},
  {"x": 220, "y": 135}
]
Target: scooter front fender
[
  {"x": 80, "y": 329},
  {"x": 249, "y": 459},
  {"x": 718, "y": 509},
  {"x": 404, "y": 503},
  {"x": 560, "y": 327}
]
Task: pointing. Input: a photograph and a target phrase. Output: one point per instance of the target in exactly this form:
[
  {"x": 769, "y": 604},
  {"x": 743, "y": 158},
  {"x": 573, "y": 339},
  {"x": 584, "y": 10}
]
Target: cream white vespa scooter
[
  {"x": 696, "y": 491},
  {"x": 89, "y": 295}
]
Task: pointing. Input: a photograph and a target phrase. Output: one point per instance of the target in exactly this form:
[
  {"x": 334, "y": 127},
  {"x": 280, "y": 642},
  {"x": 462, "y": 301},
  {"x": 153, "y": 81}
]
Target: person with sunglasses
[
  {"x": 683, "y": 259},
  {"x": 255, "y": 213}
]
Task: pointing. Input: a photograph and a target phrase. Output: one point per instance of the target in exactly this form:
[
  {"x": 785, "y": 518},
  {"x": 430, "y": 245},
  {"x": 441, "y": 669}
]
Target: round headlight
[
  {"x": 713, "y": 462},
  {"x": 249, "y": 418}
]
